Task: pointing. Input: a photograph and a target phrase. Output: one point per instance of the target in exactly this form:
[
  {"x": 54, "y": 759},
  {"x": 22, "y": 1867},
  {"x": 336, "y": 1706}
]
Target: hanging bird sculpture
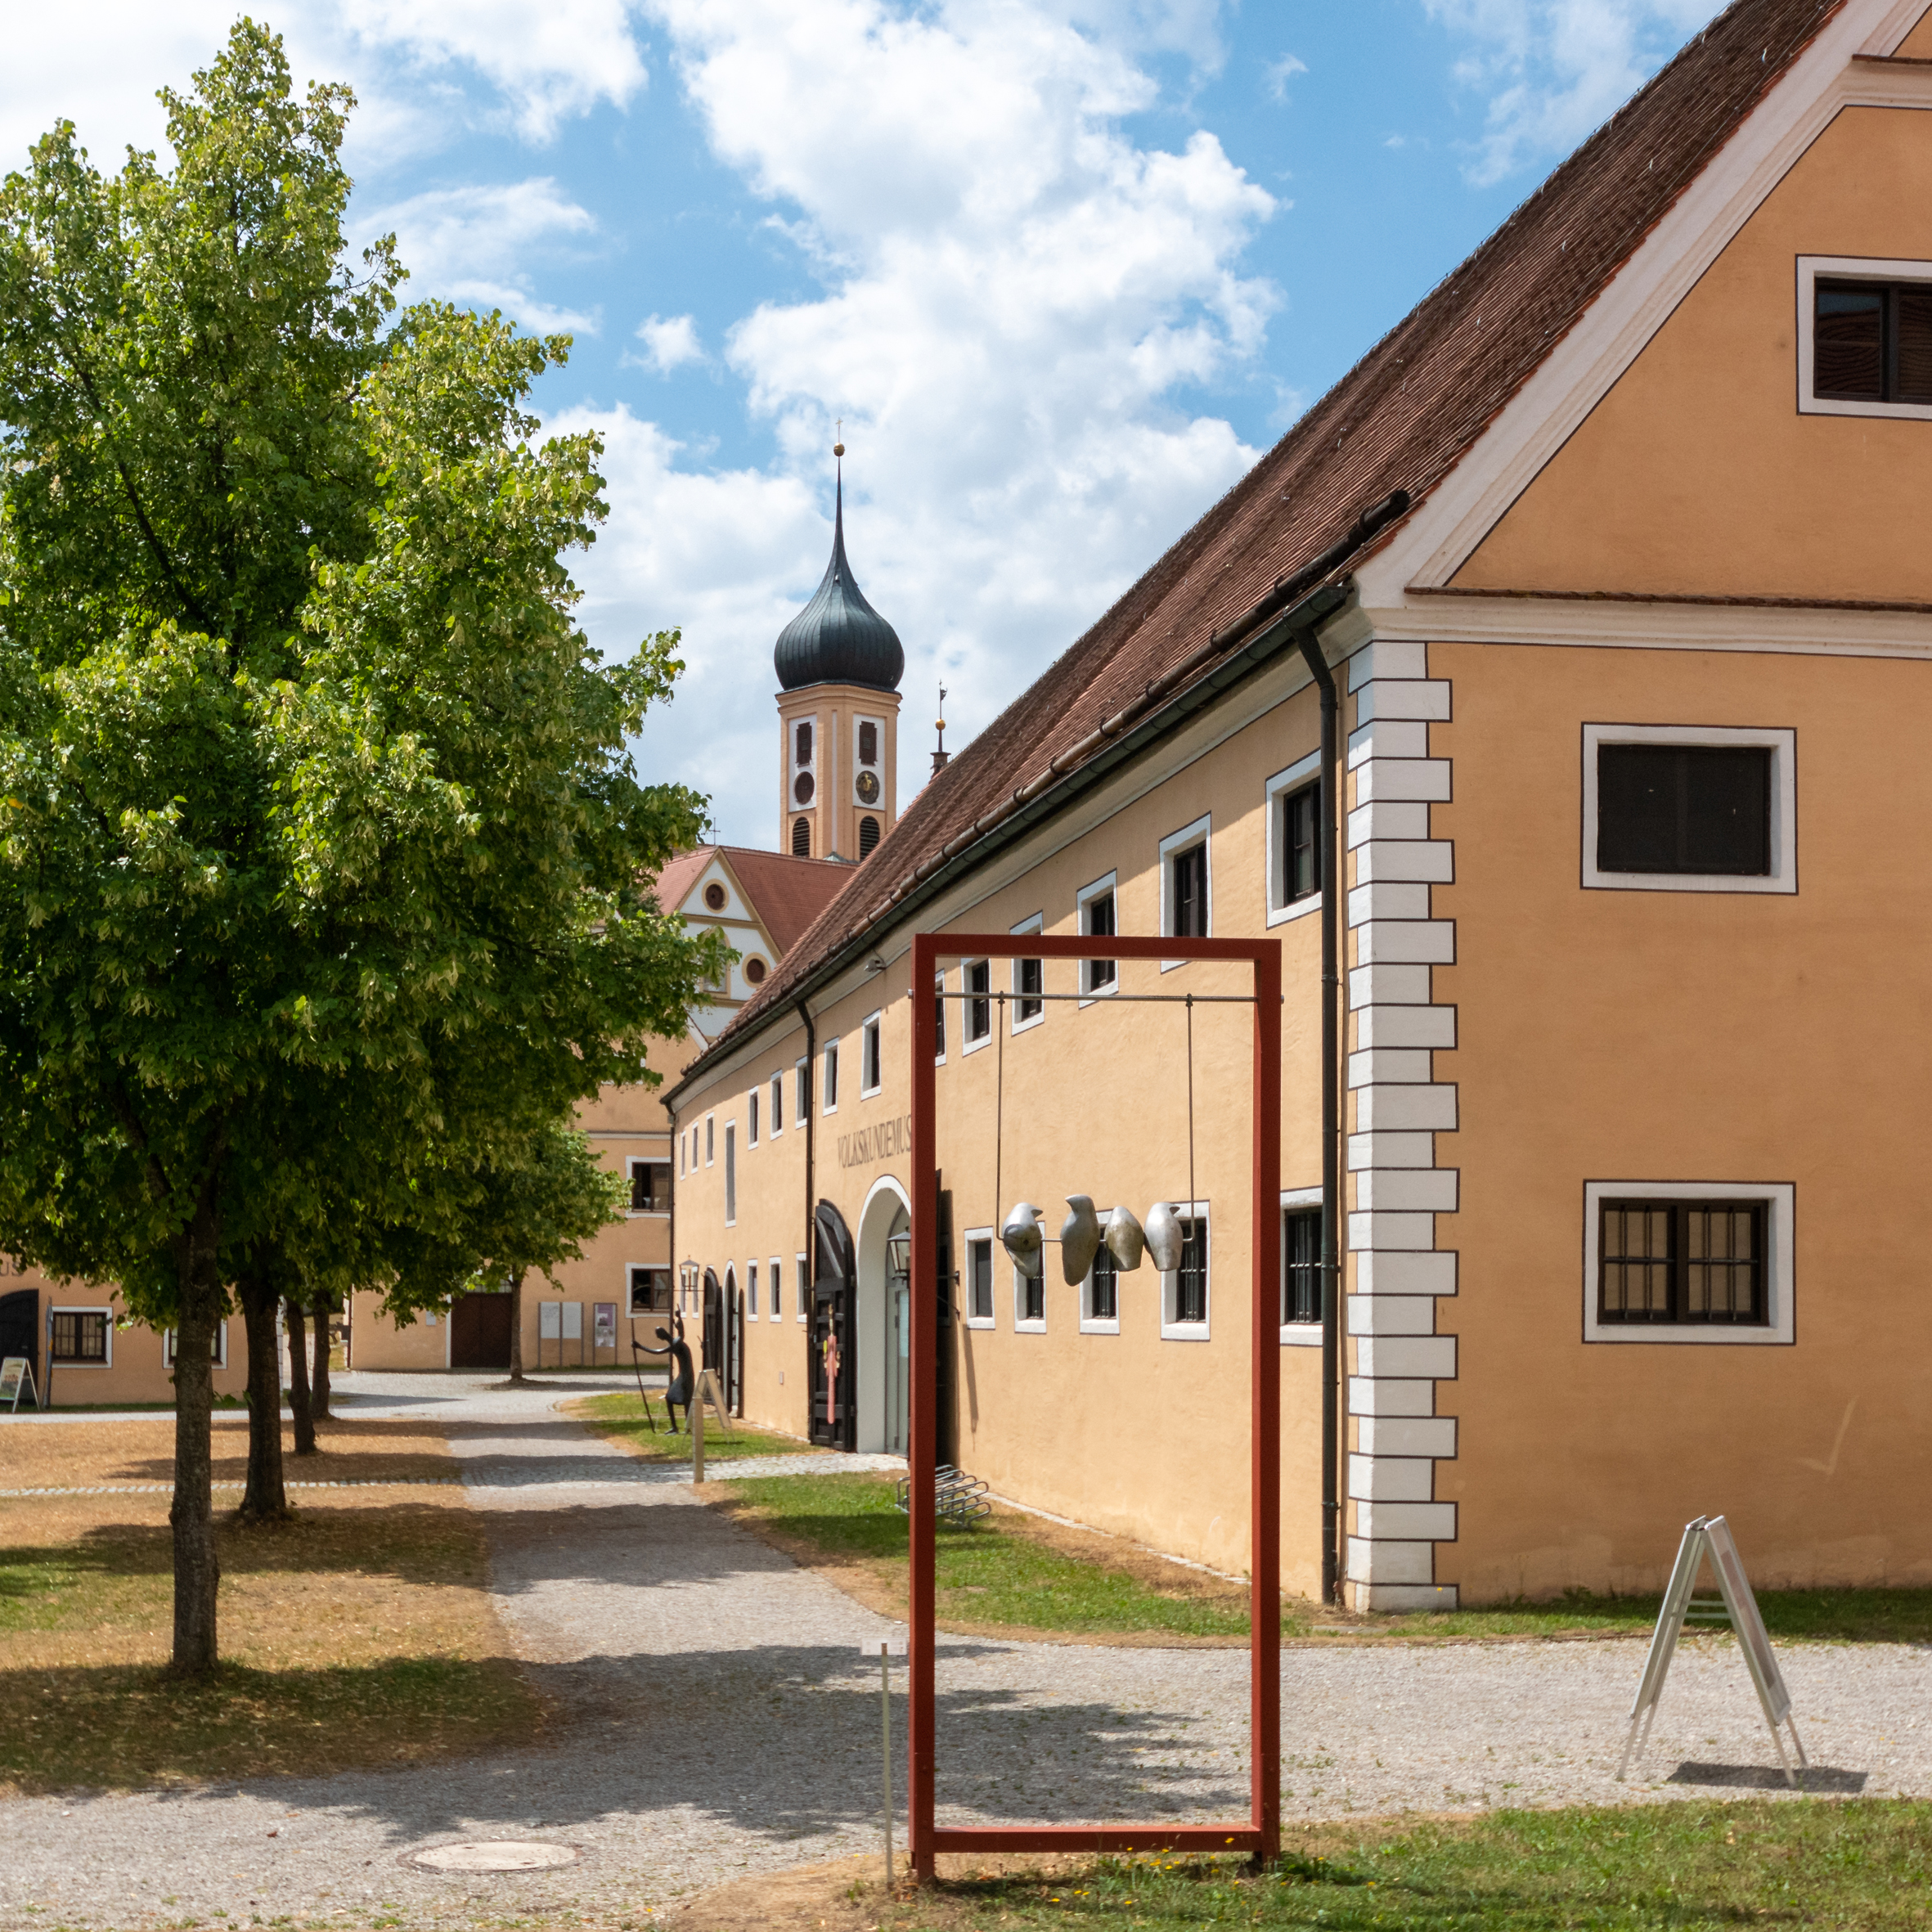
[
  {"x": 1165, "y": 1237},
  {"x": 1022, "y": 1237},
  {"x": 1125, "y": 1239},
  {"x": 1080, "y": 1239}
]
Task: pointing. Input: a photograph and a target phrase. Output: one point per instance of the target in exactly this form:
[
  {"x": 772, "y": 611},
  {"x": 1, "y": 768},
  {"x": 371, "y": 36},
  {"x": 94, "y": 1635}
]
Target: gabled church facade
[{"x": 1615, "y": 552}]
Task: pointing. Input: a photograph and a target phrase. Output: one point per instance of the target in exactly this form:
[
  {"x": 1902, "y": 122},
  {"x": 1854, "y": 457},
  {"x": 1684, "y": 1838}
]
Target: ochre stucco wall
[
  {"x": 1684, "y": 1036},
  {"x": 1696, "y": 474}
]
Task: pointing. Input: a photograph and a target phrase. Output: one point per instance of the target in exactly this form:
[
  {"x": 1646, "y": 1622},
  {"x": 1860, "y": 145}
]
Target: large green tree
[{"x": 316, "y": 816}]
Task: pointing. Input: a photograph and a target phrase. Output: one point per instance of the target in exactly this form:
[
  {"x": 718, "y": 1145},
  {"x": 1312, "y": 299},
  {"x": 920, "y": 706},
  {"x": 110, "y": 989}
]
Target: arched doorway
[
  {"x": 711, "y": 1341},
  {"x": 834, "y": 1359},
  {"x": 883, "y": 1319}
]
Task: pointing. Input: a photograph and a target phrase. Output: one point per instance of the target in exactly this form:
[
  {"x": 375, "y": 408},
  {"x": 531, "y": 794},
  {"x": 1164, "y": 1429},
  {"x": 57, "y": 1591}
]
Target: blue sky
[{"x": 1064, "y": 268}]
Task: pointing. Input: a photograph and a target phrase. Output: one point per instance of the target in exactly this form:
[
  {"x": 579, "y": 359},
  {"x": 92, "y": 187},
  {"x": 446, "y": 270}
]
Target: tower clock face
[{"x": 866, "y": 786}]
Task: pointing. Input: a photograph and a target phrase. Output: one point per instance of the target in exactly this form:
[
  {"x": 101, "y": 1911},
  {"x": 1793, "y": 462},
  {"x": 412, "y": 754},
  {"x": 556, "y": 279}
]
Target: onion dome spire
[{"x": 838, "y": 638}]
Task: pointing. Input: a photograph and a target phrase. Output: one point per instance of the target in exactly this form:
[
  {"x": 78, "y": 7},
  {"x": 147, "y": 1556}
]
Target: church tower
[{"x": 838, "y": 664}]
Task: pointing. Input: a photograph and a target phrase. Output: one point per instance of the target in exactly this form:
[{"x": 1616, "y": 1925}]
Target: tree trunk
[
  {"x": 318, "y": 1386},
  {"x": 516, "y": 1326},
  {"x": 197, "y": 1569},
  {"x": 265, "y": 1498},
  {"x": 298, "y": 1380}
]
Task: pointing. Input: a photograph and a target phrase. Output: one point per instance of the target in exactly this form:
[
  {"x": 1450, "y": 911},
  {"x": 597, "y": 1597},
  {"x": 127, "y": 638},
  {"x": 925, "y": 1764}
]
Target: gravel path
[{"x": 717, "y": 1721}]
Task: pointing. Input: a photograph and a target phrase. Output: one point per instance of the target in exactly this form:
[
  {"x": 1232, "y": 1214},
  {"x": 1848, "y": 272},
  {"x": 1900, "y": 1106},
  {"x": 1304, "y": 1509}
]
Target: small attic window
[
  {"x": 714, "y": 896},
  {"x": 1865, "y": 337}
]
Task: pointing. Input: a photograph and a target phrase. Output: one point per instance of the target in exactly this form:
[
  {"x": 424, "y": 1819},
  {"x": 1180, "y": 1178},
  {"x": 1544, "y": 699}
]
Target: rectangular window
[
  {"x": 1103, "y": 1290},
  {"x": 651, "y": 1291},
  {"x": 1029, "y": 979},
  {"x": 1682, "y": 1262},
  {"x": 751, "y": 1291},
  {"x": 1188, "y": 892},
  {"x": 218, "y": 1348},
  {"x": 1872, "y": 342},
  {"x": 1184, "y": 1290},
  {"x": 1097, "y": 920},
  {"x": 650, "y": 1187},
  {"x": 1029, "y": 1299},
  {"x": 680, "y": 1154},
  {"x": 80, "y": 1335},
  {"x": 1702, "y": 809},
  {"x": 710, "y": 1140},
  {"x": 871, "y": 1069},
  {"x": 778, "y": 1290},
  {"x": 750, "y": 1118},
  {"x": 778, "y": 1105},
  {"x": 979, "y": 1279},
  {"x": 802, "y": 1097},
  {"x": 978, "y": 978},
  {"x": 830, "y": 1103},
  {"x": 1300, "y": 835},
  {"x": 731, "y": 1172},
  {"x": 939, "y": 1019},
  {"x": 1301, "y": 1265},
  {"x": 801, "y": 1282}
]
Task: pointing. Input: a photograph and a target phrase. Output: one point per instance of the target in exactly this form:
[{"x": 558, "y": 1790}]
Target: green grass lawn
[
  {"x": 1690, "y": 1866},
  {"x": 1008, "y": 1572},
  {"x": 621, "y": 1416}
]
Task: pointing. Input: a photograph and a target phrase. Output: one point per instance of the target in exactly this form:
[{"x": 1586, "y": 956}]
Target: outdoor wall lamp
[{"x": 899, "y": 1253}]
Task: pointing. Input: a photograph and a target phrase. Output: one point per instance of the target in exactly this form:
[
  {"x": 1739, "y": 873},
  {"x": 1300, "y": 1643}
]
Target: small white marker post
[{"x": 885, "y": 1649}]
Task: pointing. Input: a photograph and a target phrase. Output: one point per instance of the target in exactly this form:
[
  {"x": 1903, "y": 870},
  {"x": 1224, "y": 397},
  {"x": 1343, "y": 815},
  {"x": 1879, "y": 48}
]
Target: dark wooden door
[
  {"x": 834, "y": 1361},
  {"x": 19, "y": 1328},
  {"x": 479, "y": 1332},
  {"x": 711, "y": 1343}
]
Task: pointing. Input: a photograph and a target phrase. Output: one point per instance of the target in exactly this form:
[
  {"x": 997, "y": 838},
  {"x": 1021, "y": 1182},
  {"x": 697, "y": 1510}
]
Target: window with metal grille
[
  {"x": 1190, "y": 1278},
  {"x": 80, "y": 1335},
  {"x": 1684, "y": 808},
  {"x": 801, "y": 838},
  {"x": 1033, "y": 1296},
  {"x": 979, "y": 1008},
  {"x": 868, "y": 835},
  {"x": 1682, "y": 1262},
  {"x": 1187, "y": 887},
  {"x": 1872, "y": 342},
  {"x": 1097, "y": 920},
  {"x": 650, "y": 1187},
  {"x": 1104, "y": 1288},
  {"x": 979, "y": 1279},
  {"x": 1300, "y": 844},
  {"x": 1301, "y": 1264}
]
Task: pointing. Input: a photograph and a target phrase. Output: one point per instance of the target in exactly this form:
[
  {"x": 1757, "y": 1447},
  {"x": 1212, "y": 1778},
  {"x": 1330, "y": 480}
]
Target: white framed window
[
  {"x": 976, "y": 981},
  {"x": 82, "y": 1336},
  {"x": 1864, "y": 337},
  {"x": 939, "y": 1019},
  {"x": 1100, "y": 918},
  {"x": 778, "y": 1105},
  {"x": 804, "y": 749},
  {"x": 750, "y": 1118},
  {"x": 802, "y": 1287},
  {"x": 1689, "y": 808},
  {"x": 868, "y": 763},
  {"x": 829, "y": 1098},
  {"x": 1186, "y": 884},
  {"x": 1029, "y": 980},
  {"x": 778, "y": 1290},
  {"x": 731, "y": 1173},
  {"x": 871, "y": 1057},
  {"x": 801, "y": 1089},
  {"x": 1029, "y": 1300},
  {"x": 979, "y": 1278},
  {"x": 751, "y": 1291},
  {"x": 1184, "y": 1303},
  {"x": 710, "y": 1140},
  {"x": 1703, "y": 1262},
  {"x": 1100, "y": 1294},
  {"x": 1296, "y": 859},
  {"x": 1298, "y": 1204},
  {"x": 218, "y": 1353}
]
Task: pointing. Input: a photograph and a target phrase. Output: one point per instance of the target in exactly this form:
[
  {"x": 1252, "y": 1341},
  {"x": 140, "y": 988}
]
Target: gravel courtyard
[{"x": 715, "y": 1719}]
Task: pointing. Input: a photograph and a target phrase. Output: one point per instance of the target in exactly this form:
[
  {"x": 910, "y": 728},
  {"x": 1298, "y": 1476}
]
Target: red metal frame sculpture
[{"x": 1260, "y": 1835}]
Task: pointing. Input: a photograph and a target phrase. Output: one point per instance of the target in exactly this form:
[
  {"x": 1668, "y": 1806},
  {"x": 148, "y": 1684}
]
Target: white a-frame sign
[{"x": 1710, "y": 1536}]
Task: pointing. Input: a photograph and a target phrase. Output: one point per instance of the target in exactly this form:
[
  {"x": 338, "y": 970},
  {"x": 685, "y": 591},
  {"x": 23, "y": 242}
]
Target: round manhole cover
[{"x": 495, "y": 1854}]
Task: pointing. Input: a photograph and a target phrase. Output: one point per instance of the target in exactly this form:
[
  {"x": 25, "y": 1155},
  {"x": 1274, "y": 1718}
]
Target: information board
[{"x": 17, "y": 1374}]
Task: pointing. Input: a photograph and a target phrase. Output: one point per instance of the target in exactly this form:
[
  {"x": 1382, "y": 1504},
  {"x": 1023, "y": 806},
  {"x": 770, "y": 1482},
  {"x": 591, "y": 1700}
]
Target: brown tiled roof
[
  {"x": 786, "y": 894},
  {"x": 1401, "y": 419}
]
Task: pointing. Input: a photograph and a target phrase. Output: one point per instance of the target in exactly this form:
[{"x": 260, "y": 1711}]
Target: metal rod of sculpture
[
  {"x": 1260, "y": 1833},
  {"x": 1710, "y": 1536}
]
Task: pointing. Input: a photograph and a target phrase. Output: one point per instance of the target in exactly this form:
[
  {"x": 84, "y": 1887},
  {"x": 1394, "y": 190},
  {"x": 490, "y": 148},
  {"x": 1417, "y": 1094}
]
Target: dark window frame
[
  {"x": 1891, "y": 298},
  {"x": 1192, "y": 1278},
  {"x": 1188, "y": 892},
  {"x": 1301, "y": 802},
  {"x": 73, "y": 1325},
  {"x": 872, "y": 1054},
  {"x": 975, "y": 981},
  {"x": 647, "y": 1196},
  {"x": 1620, "y": 830},
  {"x": 1029, "y": 982},
  {"x": 1100, "y": 976},
  {"x": 652, "y": 1304},
  {"x": 1686, "y": 1227}
]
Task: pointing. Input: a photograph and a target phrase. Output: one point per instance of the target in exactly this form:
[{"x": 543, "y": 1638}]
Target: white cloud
[
  {"x": 669, "y": 342},
  {"x": 1553, "y": 69},
  {"x": 1014, "y": 293},
  {"x": 471, "y": 244},
  {"x": 1277, "y": 74}
]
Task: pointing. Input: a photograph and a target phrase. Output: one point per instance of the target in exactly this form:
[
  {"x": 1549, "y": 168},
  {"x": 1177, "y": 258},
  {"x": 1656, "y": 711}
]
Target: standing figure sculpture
[{"x": 678, "y": 1391}]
